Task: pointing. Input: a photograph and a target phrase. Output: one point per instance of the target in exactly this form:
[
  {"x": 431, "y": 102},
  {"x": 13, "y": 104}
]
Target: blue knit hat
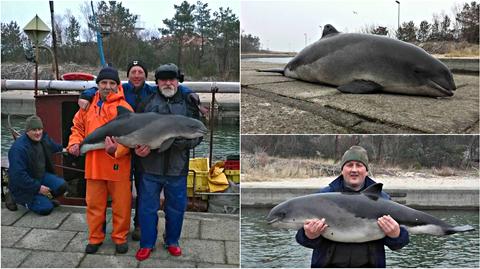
[{"x": 108, "y": 73}]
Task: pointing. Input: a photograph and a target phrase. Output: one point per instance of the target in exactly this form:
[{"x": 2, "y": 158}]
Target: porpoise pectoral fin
[
  {"x": 373, "y": 191},
  {"x": 272, "y": 70},
  {"x": 122, "y": 111},
  {"x": 360, "y": 86},
  {"x": 166, "y": 145}
]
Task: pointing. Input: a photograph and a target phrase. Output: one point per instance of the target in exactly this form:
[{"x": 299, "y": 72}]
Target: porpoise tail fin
[
  {"x": 272, "y": 70},
  {"x": 459, "y": 229}
]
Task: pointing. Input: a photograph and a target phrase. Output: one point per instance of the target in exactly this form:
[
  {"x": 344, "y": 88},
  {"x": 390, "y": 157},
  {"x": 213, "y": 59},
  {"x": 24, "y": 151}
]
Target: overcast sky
[
  {"x": 282, "y": 25},
  {"x": 151, "y": 12}
]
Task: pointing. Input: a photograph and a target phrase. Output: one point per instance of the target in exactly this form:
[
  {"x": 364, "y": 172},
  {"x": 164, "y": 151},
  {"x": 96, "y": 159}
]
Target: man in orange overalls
[{"x": 107, "y": 171}]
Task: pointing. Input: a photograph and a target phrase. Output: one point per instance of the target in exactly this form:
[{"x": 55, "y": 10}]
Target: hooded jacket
[{"x": 98, "y": 163}]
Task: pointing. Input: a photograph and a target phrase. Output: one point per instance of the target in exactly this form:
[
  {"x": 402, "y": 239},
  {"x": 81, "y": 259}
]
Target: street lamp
[
  {"x": 36, "y": 31},
  {"x": 305, "y": 34},
  {"x": 398, "y": 24}
]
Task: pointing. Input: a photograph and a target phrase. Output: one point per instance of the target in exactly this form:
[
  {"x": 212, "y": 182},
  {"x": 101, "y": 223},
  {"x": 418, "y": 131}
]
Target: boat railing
[{"x": 69, "y": 85}]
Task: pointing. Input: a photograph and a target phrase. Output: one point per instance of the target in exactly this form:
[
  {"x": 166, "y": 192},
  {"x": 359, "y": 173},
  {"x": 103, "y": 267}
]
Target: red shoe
[
  {"x": 143, "y": 253},
  {"x": 174, "y": 250}
]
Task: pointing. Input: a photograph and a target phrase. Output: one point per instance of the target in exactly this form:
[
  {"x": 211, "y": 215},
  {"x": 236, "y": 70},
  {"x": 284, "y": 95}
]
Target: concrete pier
[
  {"x": 274, "y": 104},
  {"x": 59, "y": 240},
  {"x": 269, "y": 194}
]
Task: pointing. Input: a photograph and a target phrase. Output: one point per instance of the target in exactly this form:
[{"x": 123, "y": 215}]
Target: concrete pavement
[
  {"x": 59, "y": 240},
  {"x": 274, "y": 104}
]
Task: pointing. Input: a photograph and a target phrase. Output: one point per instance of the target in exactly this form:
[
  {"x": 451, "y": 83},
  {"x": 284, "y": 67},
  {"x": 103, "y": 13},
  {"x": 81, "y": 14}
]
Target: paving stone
[
  {"x": 45, "y": 259},
  {"x": 10, "y": 217},
  {"x": 10, "y": 235},
  {"x": 51, "y": 221},
  {"x": 46, "y": 240},
  {"x": 159, "y": 263},
  {"x": 108, "y": 261},
  {"x": 13, "y": 257},
  {"x": 232, "y": 250},
  {"x": 190, "y": 228},
  {"x": 75, "y": 222},
  {"x": 220, "y": 230},
  {"x": 208, "y": 251},
  {"x": 216, "y": 265}
]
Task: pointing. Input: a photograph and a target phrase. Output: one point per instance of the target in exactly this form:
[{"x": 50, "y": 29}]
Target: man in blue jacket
[
  {"x": 165, "y": 170},
  {"x": 32, "y": 181},
  {"x": 327, "y": 253}
]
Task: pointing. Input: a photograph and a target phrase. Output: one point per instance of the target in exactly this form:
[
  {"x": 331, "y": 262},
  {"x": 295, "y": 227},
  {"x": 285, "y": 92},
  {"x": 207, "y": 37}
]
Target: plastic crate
[
  {"x": 199, "y": 164},
  {"x": 233, "y": 175},
  {"x": 201, "y": 182},
  {"x": 232, "y": 165}
]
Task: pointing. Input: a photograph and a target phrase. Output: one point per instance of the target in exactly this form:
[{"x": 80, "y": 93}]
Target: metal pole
[
  {"x": 54, "y": 39},
  {"x": 53, "y": 61},
  {"x": 398, "y": 23},
  {"x": 212, "y": 119},
  {"x": 36, "y": 70},
  {"x": 99, "y": 37}
]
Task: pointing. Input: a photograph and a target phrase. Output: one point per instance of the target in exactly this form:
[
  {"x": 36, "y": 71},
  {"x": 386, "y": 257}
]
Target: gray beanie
[
  {"x": 33, "y": 122},
  {"x": 355, "y": 153}
]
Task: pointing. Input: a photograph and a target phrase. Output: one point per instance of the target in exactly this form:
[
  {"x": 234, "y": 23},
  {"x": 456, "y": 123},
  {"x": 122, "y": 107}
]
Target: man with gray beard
[{"x": 165, "y": 170}]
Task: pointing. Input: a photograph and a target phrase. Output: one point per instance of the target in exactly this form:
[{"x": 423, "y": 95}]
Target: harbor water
[{"x": 265, "y": 246}]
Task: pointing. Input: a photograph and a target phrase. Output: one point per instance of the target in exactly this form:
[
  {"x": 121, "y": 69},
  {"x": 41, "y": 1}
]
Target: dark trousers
[{"x": 41, "y": 204}]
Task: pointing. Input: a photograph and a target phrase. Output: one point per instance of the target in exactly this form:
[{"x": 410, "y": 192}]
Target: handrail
[{"x": 62, "y": 85}]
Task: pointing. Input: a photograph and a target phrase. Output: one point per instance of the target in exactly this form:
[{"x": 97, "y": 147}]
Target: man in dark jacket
[
  {"x": 165, "y": 170},
  {"x": 31, "y": 177},
  {"x": 327, "y": 253}
]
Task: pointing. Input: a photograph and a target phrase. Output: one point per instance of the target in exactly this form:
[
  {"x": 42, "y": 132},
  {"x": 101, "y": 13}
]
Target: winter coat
[
  {"x": 21, "y": 162},
  {"x": 372, "y": 252}
]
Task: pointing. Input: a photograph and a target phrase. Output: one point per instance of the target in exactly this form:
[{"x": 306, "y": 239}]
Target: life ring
[{"x": 78, "y": 76}]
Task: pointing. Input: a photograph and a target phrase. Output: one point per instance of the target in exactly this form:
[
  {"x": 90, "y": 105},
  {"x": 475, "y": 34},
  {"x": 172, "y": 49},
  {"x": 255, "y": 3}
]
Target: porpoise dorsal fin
[
  {"x": 328, "y": 29},
  {"x": 373, "y": 191},
  {"x": 121, "y": 110}
]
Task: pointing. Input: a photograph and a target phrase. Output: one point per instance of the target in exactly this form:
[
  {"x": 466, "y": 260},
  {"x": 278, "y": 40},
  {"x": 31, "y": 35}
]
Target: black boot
[
  {"x": 10, "y": 203},
  {"x": 136, "y": 234},
  {"x": 121, "y": 248},
  {"x": 92, "y": 248}
]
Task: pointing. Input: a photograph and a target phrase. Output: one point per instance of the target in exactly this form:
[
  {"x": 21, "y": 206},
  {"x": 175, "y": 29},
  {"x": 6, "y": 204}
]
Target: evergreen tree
[
  {"x": 423, "y": 31},
  {"x": 181, "y": 26},
  {"x": 469, "y": 22},
  {"x": 203, "y": 24},
  {"x": 12, "y": 42},
  {"x": 72, "y": 32},
  {"x": 407, "y": 32}
]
